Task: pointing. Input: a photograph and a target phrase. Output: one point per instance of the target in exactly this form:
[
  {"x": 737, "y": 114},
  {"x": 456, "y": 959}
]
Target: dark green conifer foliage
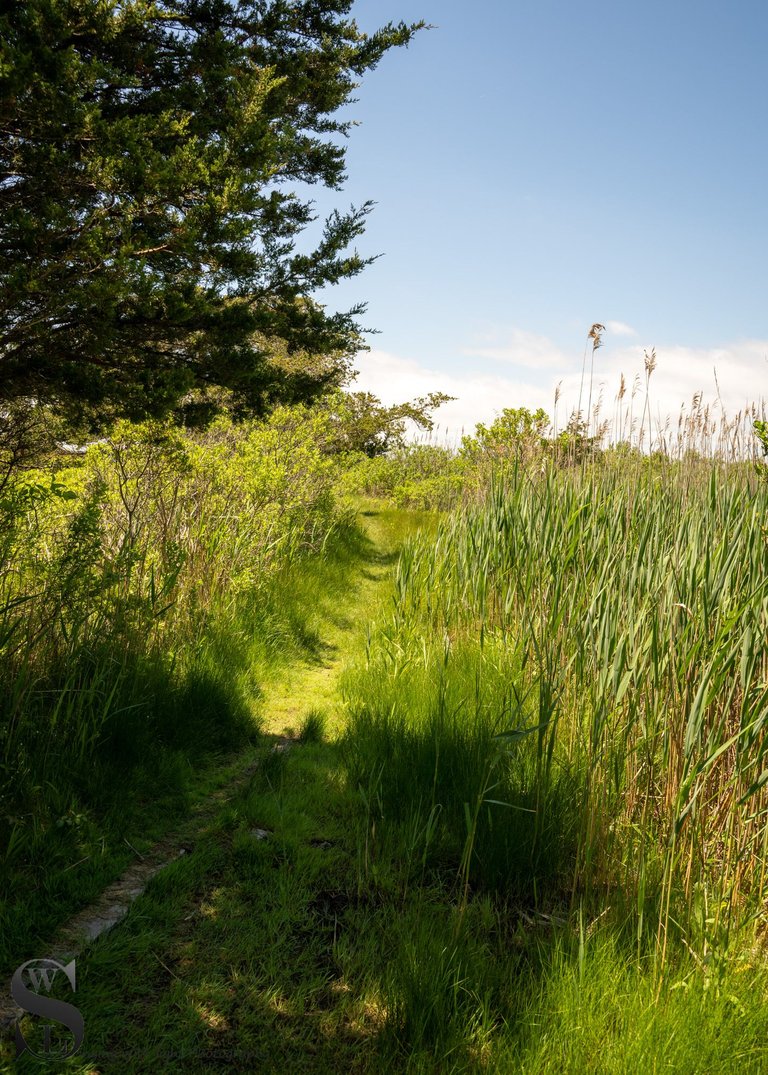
[{"x": 150, "y": 158}]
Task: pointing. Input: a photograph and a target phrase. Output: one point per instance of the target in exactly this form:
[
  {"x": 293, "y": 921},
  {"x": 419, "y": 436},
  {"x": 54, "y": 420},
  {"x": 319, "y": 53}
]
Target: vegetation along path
[
  {"x": 233, "y": 927},
  {"x": 415, "y": 866}
]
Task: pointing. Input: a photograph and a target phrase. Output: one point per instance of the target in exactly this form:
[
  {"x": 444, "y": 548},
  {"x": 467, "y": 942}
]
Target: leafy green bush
[
  {"x": 135, "y": 591},
  {"x": 414, "y": 475}
]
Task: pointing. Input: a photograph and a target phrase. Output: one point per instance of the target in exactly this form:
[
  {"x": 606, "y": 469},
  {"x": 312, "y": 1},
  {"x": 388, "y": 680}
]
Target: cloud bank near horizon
[{"x": 530, "y": 369}]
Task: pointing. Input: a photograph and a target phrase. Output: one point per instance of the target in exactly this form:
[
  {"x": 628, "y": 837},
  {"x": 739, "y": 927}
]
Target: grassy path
[
  {"x": 305, "y": 930},
  {"x": 339, "y": 621},
  {"x": 250, "y": 952}
]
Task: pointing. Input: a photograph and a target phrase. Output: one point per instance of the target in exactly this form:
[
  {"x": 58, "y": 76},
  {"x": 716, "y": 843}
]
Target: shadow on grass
[
  {"x": 112, "y": 743},
  {"x": 276, "y": 954},
  {"x": 310, "y": 950}
]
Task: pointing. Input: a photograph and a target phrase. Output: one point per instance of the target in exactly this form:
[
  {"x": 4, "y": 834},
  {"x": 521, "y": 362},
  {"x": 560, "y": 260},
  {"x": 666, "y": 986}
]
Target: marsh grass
[
  {"x": 444, "y": 748},
  {"x": 558, "y": 737},
  {"x": 573, "y": 682}
]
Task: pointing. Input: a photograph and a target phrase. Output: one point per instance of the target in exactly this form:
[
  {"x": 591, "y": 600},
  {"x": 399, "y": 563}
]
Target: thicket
[
  {"x": 145, "y": 587},
  {"x": 423, "y": 473}
]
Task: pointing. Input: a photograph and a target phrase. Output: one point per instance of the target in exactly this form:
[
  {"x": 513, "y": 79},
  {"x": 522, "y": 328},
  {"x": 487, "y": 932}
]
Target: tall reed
[{"x": 630, "y": 600}]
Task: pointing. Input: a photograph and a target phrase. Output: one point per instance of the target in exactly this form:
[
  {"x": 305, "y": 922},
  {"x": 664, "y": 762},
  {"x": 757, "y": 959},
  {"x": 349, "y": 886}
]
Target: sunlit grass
[
  {"x": 564, "y": 711},
  {"x": 529, "y": 835}
]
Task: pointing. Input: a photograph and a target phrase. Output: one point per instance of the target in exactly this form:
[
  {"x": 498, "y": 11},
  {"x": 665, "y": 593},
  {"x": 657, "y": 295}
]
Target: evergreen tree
[{"x": 150, "y": 155}]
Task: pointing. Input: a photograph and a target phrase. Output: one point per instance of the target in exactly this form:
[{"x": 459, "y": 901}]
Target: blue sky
[{"x": 539, "y": 166}]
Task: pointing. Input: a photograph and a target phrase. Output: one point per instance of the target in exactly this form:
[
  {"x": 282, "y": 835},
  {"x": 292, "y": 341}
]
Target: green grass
[
  {"x": 614, "y": 623},
  {"x": 440, "y": 742},
  {"x": 198, "y": 731},
  {"x": 285, "y": 954},
  {"x": 598, "y": 1010},
  {"x": 472, "y": 862}
]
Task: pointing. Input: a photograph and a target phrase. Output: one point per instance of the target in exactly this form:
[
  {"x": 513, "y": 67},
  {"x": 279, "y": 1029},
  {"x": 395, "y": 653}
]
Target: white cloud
[
  {"x": 741, "y": 368},
  {"x": 479, "y": 396},
  {"x": 520, "y": 348},
  {"x": 619, "y": 328},
  {"x": 742, "y": 376}
]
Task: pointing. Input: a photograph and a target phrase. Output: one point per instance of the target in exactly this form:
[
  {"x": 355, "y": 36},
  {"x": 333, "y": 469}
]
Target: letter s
[{"x": 57, "y": 1010}]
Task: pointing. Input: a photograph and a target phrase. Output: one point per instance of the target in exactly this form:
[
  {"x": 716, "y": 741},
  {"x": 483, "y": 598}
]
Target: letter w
[{"x": 46, "y": 975}]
